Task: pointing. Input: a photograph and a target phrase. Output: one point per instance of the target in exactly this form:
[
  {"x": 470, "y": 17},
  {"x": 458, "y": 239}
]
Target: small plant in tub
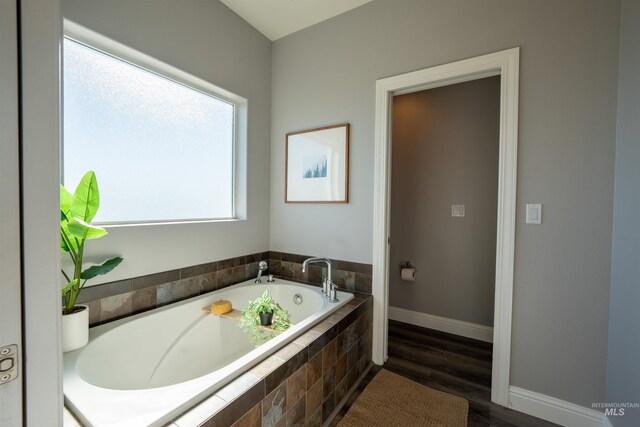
[
  {"x": 76, "y": 212},
  {"x": 261, "y": 313}
]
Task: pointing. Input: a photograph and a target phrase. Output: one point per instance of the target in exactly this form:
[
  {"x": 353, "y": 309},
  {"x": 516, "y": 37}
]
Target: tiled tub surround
[
  {"x": 111, "y": 301},
  {"x": 300, "y": 385},
  {"x": 152, "y": 367},
  {"x": 349, "y": 276}
]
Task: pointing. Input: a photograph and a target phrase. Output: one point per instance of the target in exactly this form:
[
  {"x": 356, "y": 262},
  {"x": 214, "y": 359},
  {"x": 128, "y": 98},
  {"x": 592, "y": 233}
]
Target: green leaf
[
  {"x": 69, "y": 286},
  {"x": 65, "y": 203},
  {"x": 64, "y": 232},
  {"x": 82, "y": 230},
  {"x": 86, "y": 199},
  {"x": 99, "y": 270}
]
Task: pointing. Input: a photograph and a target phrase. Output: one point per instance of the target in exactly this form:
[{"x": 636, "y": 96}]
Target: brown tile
[
  {"x": 314, "y": 370},
  {"x": 286, "y": 269},
  {"x": 298, "y": 275},
  {"x": 284, "y": 371},
  {"x": 267, "y": 366},
  {"x": 329, "y": 356},
  {"x": 155, "y": 279},
  {"x": 208, "y": 282},
  {"x": 352, "y": 357},
  {"x": 296, "y": 387},
  {"x": 340, "y": 390},
  {"x": 315, "y": 420},
  {"x": 341, "y": 344},
  {"x": 225, "y": 277},
  {"x": 323, "y": 327},
  {"x": 348, "y": 319},
  {"x": 104, "y": 290},
  {"x": 239, "y": 274},
  {"x": 296, "y": 414},
  {"x": 197, "y": 270},
  {"x": 238, "y": 407},
  {"x": 299, "y": 259},
  {"x": 328, "y": 406},
  {"x": 229, "y": 263},
  {"x": 238, "y": 387},
  {"x": 275, "y": 255},
  {"x": 275, "y": 267},
  {"x": 143, "y": 300},
  {"x": 363, "y": 283},
  {"x": 341, "y": 368},
  {"x": 251, "y": 270},
  {"x": 328, "y": 382},
  {"x": 315, "y": 274},
  {"x": 191, "y": 287},
  {"x": 274, "y": 406},
  {"x": 335, "y": 317},
  {"x": 346, "y": 280},
  {"x": 288, "y": 351},
  {"x": 253, "y": 418},
  {"x": 306, "y": 338},
  {"x": 352, "y": 376},
  {"x": 355, "y": 267},
  {"x": 352, "y": 334},
  {"x": 115, "y": 307},
  {"x": 314, "y": 397},
  {"x": 168, "y": 293}
]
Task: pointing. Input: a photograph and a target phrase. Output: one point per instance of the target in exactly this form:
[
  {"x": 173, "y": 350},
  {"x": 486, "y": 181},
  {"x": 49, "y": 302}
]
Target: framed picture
[{"x": 317, "y": 165}]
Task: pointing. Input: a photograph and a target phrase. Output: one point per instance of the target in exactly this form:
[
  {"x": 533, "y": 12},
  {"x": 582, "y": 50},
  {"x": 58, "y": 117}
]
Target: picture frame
[{"x": 317, "y": 165}]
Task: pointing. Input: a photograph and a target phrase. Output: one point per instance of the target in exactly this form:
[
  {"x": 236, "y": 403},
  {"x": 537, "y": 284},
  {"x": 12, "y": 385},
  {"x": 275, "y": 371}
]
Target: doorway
[
  {"x": 505, "y": 65},
  {"x": 443, "y": 213}
]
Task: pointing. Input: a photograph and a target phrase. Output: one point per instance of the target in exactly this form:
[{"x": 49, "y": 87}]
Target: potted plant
[
  {"x": 265, "y": 312},
  {"x": 76, "y": 212}
]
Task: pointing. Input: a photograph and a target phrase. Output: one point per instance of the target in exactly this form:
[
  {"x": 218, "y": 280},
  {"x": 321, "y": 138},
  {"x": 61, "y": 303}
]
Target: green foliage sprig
[
  {"x": 76, "y": 212},
  {"x": 250, "y": 321}
]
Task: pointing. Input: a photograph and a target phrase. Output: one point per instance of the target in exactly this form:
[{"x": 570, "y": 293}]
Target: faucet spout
[
  {"x": 327, "y": 283},
  {"x": 262, "y": 266}
]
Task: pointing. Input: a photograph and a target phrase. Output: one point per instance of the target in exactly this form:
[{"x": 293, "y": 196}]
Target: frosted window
[{"x": 161, "y": 151}]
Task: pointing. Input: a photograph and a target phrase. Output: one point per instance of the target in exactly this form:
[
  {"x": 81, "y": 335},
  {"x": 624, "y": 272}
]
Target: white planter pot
[{"x": 75, "y": 329}]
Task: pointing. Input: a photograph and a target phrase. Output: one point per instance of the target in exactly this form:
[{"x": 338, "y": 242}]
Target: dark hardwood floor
[{"x": 456, "y": 365}]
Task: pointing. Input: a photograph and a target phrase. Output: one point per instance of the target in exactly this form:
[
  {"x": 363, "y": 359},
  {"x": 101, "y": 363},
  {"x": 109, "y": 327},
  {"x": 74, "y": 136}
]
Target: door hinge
[{"x": 9, "y": 363}]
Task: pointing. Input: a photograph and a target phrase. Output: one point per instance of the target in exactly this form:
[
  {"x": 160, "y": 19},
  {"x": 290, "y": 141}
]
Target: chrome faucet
[
  {"x": 262, "y": 266},
  {"x": 326, "y": 283}
]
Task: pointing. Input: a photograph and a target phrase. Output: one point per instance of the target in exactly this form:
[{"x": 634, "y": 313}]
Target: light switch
[
  {"x": 534, "y": 213},
  {"x": 457, "y": 211}
]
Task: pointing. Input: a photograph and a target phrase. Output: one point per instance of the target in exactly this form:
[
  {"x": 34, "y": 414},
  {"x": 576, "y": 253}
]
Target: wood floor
[{"x": 457, "y": 365}]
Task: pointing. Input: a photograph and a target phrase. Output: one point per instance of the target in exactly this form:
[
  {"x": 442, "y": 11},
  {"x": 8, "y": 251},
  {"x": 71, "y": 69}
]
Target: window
[{"x": 161, "y": 149}]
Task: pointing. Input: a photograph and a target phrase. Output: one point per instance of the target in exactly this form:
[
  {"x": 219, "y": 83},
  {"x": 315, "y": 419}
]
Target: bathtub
[{"x": 149, "y": 368}]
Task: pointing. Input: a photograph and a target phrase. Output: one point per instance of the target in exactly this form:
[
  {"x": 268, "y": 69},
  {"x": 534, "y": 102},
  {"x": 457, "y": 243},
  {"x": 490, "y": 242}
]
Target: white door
[{"x": 10, "y": 247}]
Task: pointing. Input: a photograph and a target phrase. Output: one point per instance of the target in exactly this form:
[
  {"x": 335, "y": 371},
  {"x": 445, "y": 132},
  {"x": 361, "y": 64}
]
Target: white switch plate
[
  {"x": 457, "y": 211},
  {"x": 534, "y": 213}
]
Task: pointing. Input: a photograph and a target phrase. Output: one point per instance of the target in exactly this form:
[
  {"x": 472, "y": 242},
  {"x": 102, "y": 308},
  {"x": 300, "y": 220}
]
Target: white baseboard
[
  {"x": 452, "y": 326},
  {"x": 555, "y": 410}
]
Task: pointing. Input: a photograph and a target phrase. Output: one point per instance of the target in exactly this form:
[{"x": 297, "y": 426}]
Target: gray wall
[
  {"x": 445, "y": 151},
  {"x": 623, "y": 376},
  {"x": 208, "y": 40},
  {"x": 326, "y": 74}
]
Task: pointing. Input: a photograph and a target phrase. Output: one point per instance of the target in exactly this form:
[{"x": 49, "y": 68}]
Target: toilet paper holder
[{"x": 407, "y": 264}]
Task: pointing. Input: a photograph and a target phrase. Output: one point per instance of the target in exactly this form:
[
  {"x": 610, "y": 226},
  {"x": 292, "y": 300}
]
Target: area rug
[{"x": 392, "y": 400}]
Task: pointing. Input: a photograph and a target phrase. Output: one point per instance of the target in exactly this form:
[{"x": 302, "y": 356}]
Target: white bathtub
[{"x": 146, "y": 369}]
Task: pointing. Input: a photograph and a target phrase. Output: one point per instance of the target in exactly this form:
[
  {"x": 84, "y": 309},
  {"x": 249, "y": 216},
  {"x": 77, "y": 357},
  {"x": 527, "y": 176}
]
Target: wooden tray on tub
[{"x": 236, "y": 315}]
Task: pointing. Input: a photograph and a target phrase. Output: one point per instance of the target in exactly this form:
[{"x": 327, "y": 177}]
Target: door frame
[
  {"x": 505, "y": 64},
  {"x": 40, "y": 46},
  {"x": 10, "y": 256}
]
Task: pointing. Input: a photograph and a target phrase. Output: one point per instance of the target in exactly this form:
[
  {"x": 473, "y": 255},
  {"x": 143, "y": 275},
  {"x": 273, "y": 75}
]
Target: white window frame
[{"x": 108, "y": 46}]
